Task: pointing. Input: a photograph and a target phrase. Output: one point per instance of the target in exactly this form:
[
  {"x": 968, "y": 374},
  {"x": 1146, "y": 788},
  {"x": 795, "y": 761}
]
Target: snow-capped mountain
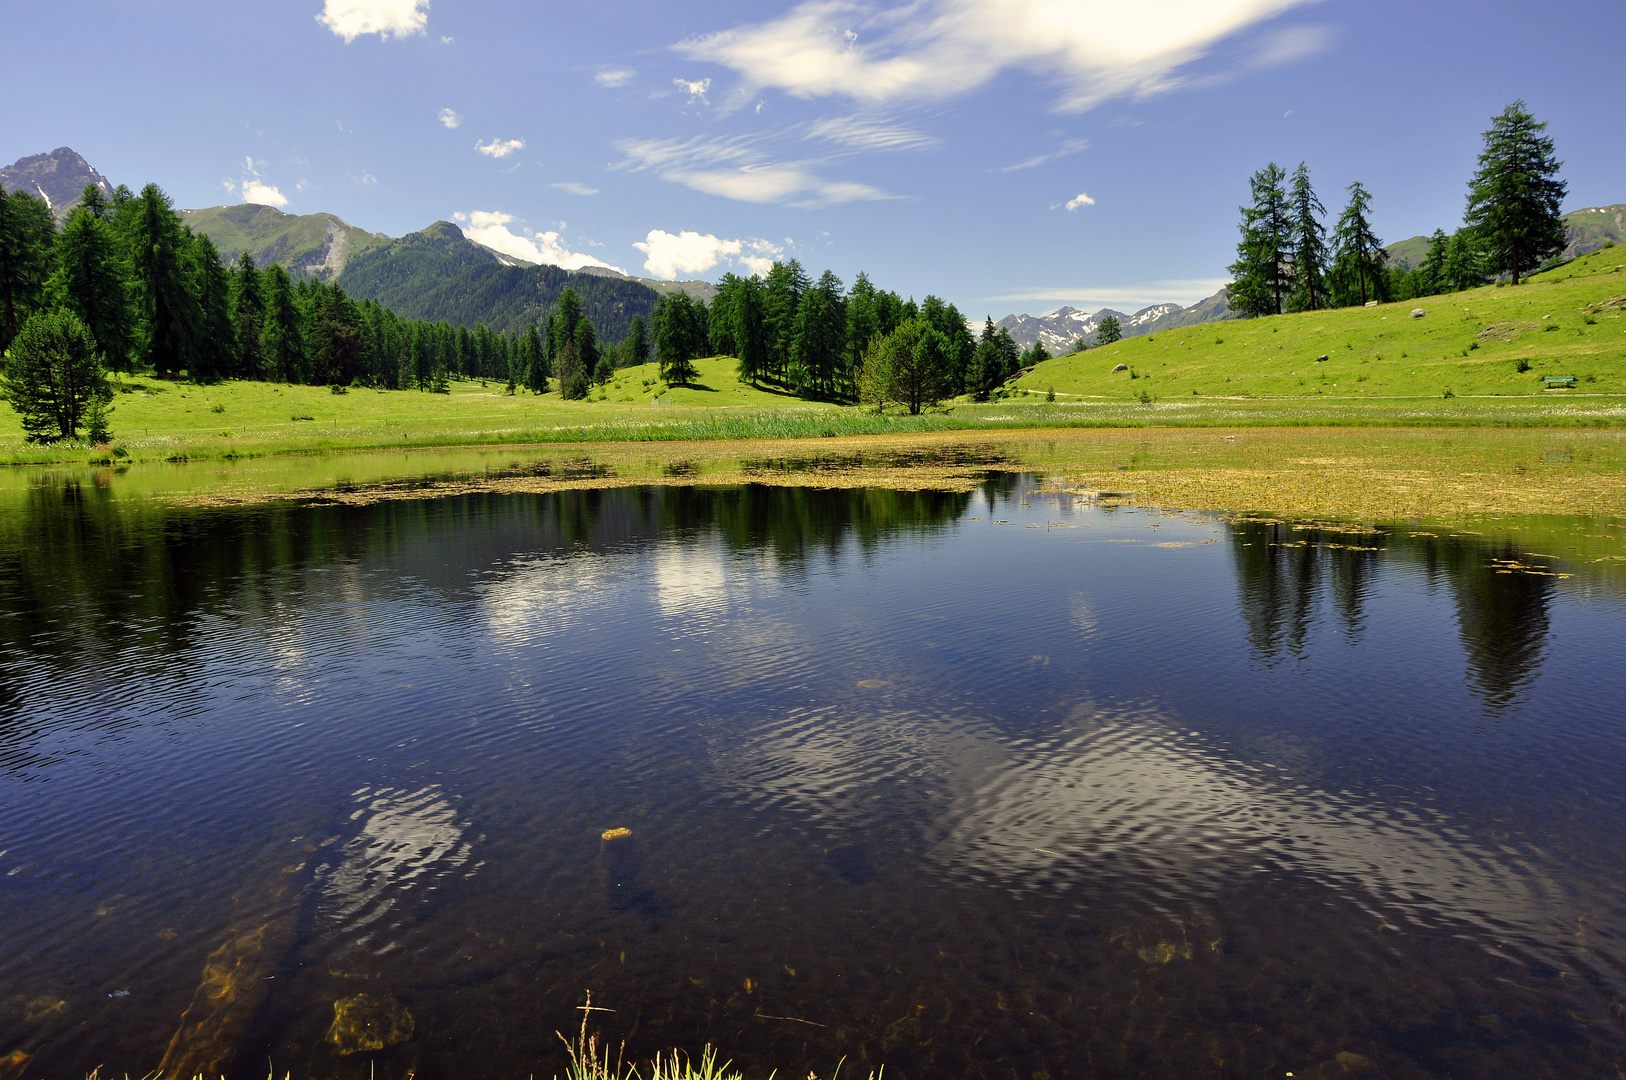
[{"x": 1059, "y": 329}]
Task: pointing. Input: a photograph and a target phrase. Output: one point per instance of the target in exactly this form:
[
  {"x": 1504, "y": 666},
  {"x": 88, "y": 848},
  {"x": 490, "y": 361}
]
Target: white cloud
[
  {"x": 735, "y": 169},
  {"x": 450, "y": 117},
  {"x": 490, "y": 227},
  {"x": 1176, "y": 291},
  {"x": 572, "y": 187},
  {"x": 613, "y": 77},
  {"x": 1293, "y": 43},
  {"x": 1066, "y": 149},
  {"x": 351, "y": 19},
  {"x": 696, "y": 90},
  {"x": 930, "y": 49},
  {"x": 694, "y": 253},
  {"x": 264, "y": 194},
  {"x": 1081, "y": 199},
  {"x": 864, "y": 133},
  {"x": 499, "y": 148}
]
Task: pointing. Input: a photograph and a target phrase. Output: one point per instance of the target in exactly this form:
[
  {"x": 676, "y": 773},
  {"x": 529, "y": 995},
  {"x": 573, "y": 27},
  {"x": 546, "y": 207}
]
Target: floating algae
[
  {"x": 1165, "y": 951},
  {"x": 365, "y": 1022}
]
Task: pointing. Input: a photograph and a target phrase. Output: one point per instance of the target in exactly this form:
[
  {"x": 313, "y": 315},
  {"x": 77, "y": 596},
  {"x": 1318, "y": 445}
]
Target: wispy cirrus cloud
[
  {"x": 351, "y": 19},
  {"x": 1091, "y": 50},
  {"x": 572, "y": 187},
  {"x": 1066, "y": 149},
  {"x": 739, "y": 168},
  {"x": 499, "y": 148},
  {"x": 490, "y": 227},
  {"x": 613, "y": 77},
  {"x": 867, "y": 133}
]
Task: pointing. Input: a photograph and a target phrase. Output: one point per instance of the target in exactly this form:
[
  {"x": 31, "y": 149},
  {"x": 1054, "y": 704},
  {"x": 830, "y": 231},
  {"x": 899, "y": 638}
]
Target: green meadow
[{"x": 1496, "y": 341}]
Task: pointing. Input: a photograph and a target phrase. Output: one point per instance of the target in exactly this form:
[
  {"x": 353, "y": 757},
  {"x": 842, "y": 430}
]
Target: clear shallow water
[{"x": 1118, "y": 794}]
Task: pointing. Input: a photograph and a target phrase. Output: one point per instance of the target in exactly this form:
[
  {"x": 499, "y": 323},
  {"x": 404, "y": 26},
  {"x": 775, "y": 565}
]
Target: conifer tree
[
  {"x": 1263, "y": 279},
  {"x": 89, "y": 279},
  {"x": 987, "y": 363},
  {"x": 1108, "y": 331},
  {"x": 1464, "y": 265},
  {"x": 1431, "y": 275},
  {"x": 27, "y": 234},
  {"x": 1309, "y": 243},
  {"x": 750, "y": 338},
  {"x": 533, "y": 364},
  {"x": 635, "y": 350},
  {"x": 248, "y": 318},
  {"x": 1358, "y": 258},
  {"x": 819, "y": 344},
  {"x": 906, "y": 367},
  {"x": 1514, "y": 198},
  {"x": 53, "y": 377},
  {"x": 214, "y": 356},
  {"x": 281, "y": 342},
  {"x": 587, "y": 349},
  {"x": 167, "y": 311},
  {"x": 782, "y": 293}
]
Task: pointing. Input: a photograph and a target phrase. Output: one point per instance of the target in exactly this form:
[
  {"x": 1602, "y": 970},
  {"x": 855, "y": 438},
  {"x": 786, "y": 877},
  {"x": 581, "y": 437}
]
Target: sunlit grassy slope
[{"x": 1565, "y": 322}]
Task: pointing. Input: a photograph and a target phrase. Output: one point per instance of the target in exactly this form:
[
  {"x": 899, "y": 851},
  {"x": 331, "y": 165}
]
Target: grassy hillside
[
  {"x": 305, "y": 244},
  {"x": 1568, "y": 321}
]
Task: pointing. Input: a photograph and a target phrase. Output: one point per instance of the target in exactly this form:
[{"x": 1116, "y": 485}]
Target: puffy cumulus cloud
[
  {"x": 696, "y": 89},
  {"x": 450, "y": 118},
  {"x": 264, "y": 194},
  {"x": 669, "y": 255},
  {"x": 931, "y": 49},
  {"x": 351, "y": 19},
  {"x": 613, "y": 77},
  {"x": 1081, "y": 199},
  {"x": 490, "y": 227},
  {"x": 499, "y": 148},
  {"x": 736, "y": 168}
]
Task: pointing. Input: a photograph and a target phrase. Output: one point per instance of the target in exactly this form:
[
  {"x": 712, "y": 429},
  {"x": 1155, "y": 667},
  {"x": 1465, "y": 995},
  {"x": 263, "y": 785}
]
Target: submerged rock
[
  {"x": 366, "y": 1022},
  {"x": 619, "y": 863}
]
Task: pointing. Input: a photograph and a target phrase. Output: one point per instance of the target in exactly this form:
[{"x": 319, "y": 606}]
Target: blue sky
[{"x": 1008, "y": 155}]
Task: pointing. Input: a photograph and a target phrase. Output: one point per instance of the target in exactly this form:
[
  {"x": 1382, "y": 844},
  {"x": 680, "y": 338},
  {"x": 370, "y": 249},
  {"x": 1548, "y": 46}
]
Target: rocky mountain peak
[{"x": 58, "y": 177}]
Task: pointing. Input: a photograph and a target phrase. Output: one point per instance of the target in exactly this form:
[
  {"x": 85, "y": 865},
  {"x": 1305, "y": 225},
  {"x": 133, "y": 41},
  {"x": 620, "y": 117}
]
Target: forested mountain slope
[
  {"x": 440, "y": 275},
  {"x": 307, "y": 245}
]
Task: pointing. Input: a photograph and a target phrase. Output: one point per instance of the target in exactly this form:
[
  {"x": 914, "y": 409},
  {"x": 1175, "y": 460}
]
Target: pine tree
[
  {"x": 635, "y": 350},
  {"x": 750, "y": 339},
  {"x": 782, "y": 293},
  {"x": 281, "y": 342},
  {"x": 532, "y": 363},
  {"x": 27, "y": 234},
  {"x": 53, "y": 377},
  {"x": 167, "y": 312},
  {"x": 89, "y": 279},
  {"x": 819, "y": 343},
  {"x": 1431, "y": 275},
  {"x": 1108, "y": 331},
  {"x": 1514, "y": 198},
  {"x": 673, "y": 339},
  {"x": 215, "y": 355},
  {"x": 587, "y": 350},
  {"x": 987, "y": 363},
  {"x": 906, "y": 367},
  {"x": 248, "y": 318},
  {"x": 1309, "y": 243},
  {"x": 1358, "y": 258},
  {"x": 1263, "y": 279},
  {"x": 1464, "y": 264}
]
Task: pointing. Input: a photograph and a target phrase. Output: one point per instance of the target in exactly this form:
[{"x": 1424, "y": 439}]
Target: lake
[{"x": 1006, "y": 782}]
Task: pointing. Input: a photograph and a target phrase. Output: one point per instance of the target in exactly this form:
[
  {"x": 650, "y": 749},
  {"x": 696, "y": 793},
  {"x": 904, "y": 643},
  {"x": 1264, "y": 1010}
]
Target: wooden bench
[{"x": 1558, "y": 382}]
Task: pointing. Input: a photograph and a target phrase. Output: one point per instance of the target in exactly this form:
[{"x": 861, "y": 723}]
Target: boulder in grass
[
  {"x": 1121, "y": 367},
  {"x": 1321, "y": 358},
  {"x": 1418, "y": 313}
]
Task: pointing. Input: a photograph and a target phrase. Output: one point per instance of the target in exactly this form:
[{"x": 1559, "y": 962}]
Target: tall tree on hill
[
  {"x": 27, "y": 234},
  {"x": 52, "y": 377},
  {"x": 1358, "y": 258},
  {"x": 1262, "y": 268},
  {"x": 215, "y": 355},
  {"x": 532, "y": 365},
  {"x": 782, "y": 293},
  {"x": 987, "y": 363},
  {"x": 819, "y": 343},
  {"x": 674, "y": 339},
  {"x": 635, "y": 349},
  {"x": 167, "y": 310},
  {"x": 750, "y": 335},
  {"x": 1464, "y": 264},
  {"x": 1514, "y": 198},
  {"x": 248, "y": 317},
  {"x": 1431, "y": 275},
  {"x": 587, "y": 349},
  {"x": 1309, "y": 243},
  {"x": 281, "y": 342},
  {"x": 946, "y": 319},
  {"x": 1108, "y": 331},
  {"x": 89, "y": 279},
  {"x": 562, "y": 326}
]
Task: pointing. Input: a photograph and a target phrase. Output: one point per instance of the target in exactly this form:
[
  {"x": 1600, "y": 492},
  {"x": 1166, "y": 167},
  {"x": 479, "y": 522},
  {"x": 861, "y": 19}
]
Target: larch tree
[
  {"x": 1358, "y": 258},
  {"x": 1262, "y": 271},
  {"x": 27, "y": 235},
  {"x": 168, "y": 316},
  {"x": 89, "y": 279},
  {"x": 1514, "y": 198},
  {"x": 248, "y": 317},
  {"x": 1309, "y": 243}
]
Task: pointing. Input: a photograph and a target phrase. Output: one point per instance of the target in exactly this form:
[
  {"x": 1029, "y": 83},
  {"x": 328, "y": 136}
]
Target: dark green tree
[
  {"x": 167, "y": 313},
  {"x": 946, "y": 319},
  {"x": 333, "y": 339},
  {"x": 1108, "y": 331},
  {"x": 587, "y": 351},
  {"x": 1514, "y": 198},
  {"x": 562, "y": 327},
  {"x": 248, "y": 318},
  {"x": 635, "y": 349},
  {"x": 1262, "y": 271},
  {"x": 819, "y": 344},
  {"x": 90, "y": 279},
  {"x": 53, "y": 377},
  {"x": 987, "y": 363},
  {"x": 27, "y": 235},
  {"x": 782, "y": 293},
  {"x": 1358, "y": 257},
  {"x": 1464, "y": 264},
  {"x": 281, "y": 343},
  {"x": 905, "y": 367},
  {"x": 1309, "y": 243},
  {"x": 1431, "y": 275},
  {"x": 533, "y": 362},
  {"x": 215, "y": 354},
  {"x": 674, "y": 339}
]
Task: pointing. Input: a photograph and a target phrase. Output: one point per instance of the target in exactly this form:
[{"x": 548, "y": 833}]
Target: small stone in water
[{"x": 365, "y": 1022}]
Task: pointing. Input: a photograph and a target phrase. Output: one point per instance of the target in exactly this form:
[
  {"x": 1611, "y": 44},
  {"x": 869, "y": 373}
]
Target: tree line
[{"x": 1287, "y": 262}]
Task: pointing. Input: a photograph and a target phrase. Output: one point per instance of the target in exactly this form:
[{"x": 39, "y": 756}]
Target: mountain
[
  {"x": 441, "y": 275},
  {"x": 1059, "y": 329},
  {"x": 1585, "y": 231},
  {"x": 307, "y": 245},
  {"x": 58, "y": 177}
]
